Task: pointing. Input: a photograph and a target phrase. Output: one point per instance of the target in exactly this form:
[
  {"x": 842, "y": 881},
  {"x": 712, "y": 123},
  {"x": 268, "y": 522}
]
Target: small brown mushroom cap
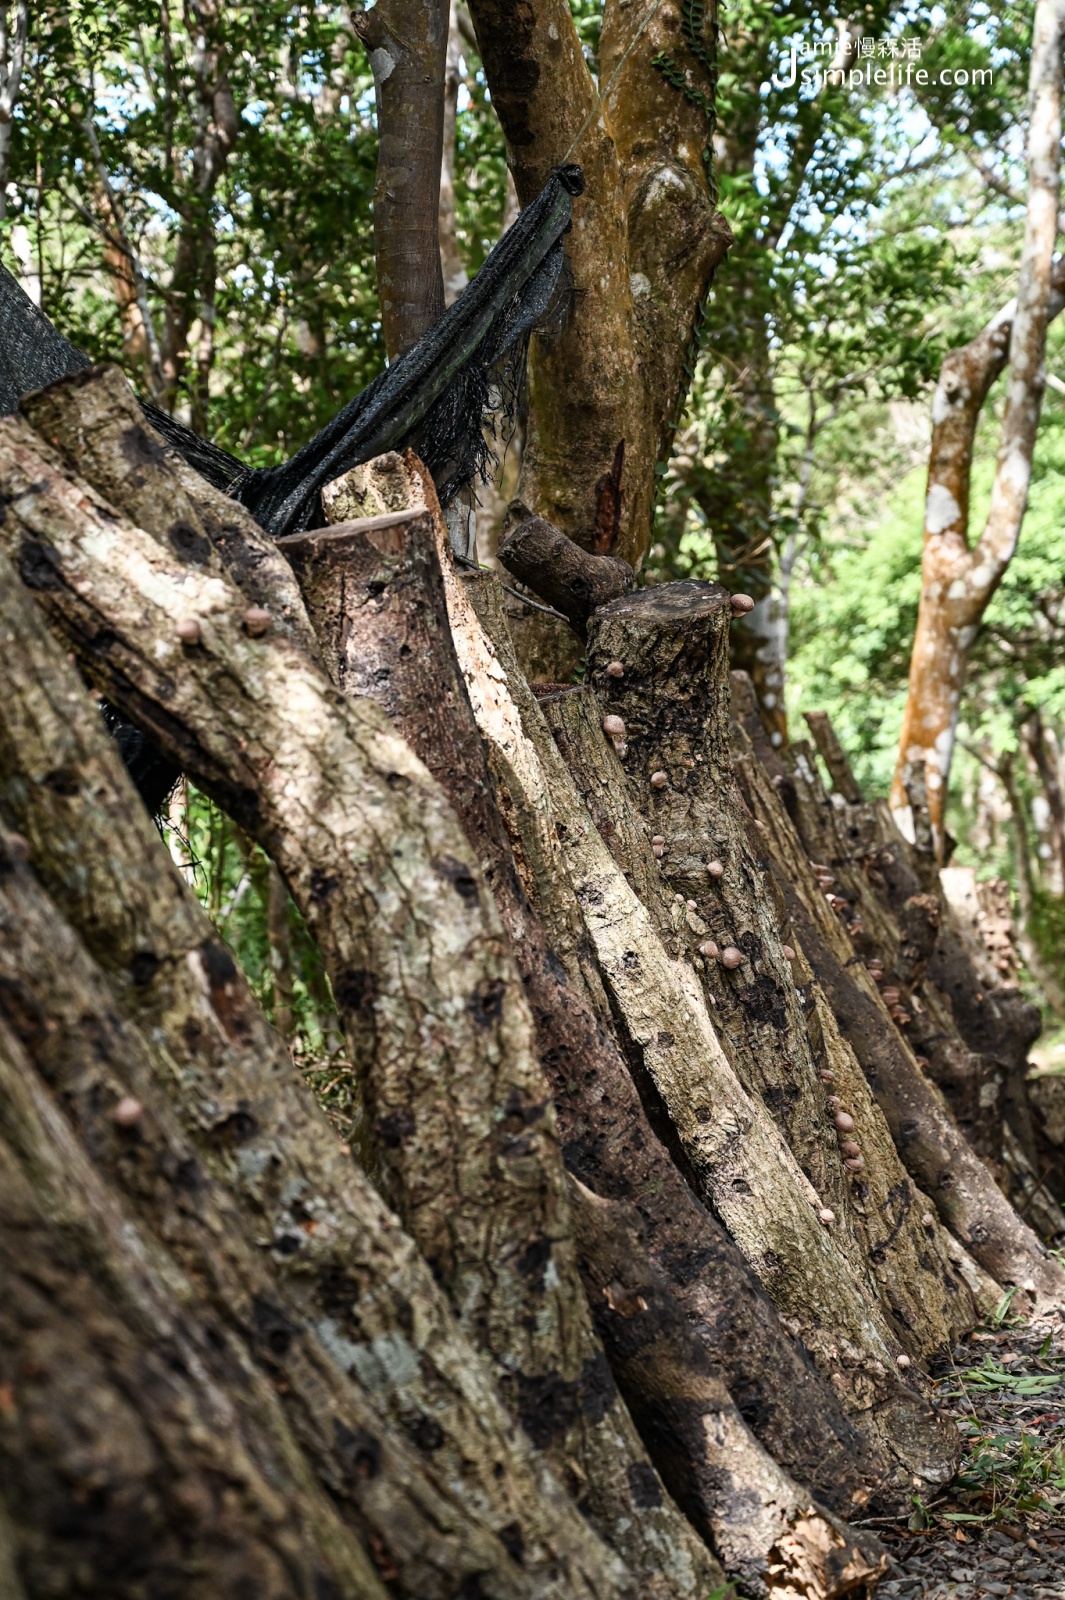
[
  {"x": 659, "y": 780},
  {"x": 658, "y": 851},
  {"x": 615, "y": 669},
  {"x": 844, "y": 1122},
  {"x": 128, "y": 1112},
  {"x": 257, "y": 621},
  {"x": 827, "y": 1075},
  {"x": 715, "y": 869},
  {"x": 847, "y": 1147},
  {"x": 691, "y": 905},
  {"x": 834, "y": 1103},
  {"x": 741, "y": 604},
  {"x": 789, "y": 954},
  {"x": 188, "y": 630},
  {"x": 730, "y": 956},
  {"x": 854, "y": 1163},
  {"x": 621, "y": 747},
  {"x": 826, "y": 1215},
  {"x": 658, "y": 838},
  {"x": 902, "y": 1361},
  {"x": 614, "y": 726},
  {"x": 709, "y": 950},
  {"x": 928, "y": 1220}
]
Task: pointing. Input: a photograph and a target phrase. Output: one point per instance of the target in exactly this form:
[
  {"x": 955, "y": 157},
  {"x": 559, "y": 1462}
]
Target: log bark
[
  {"x": 880, "y": 1210},
  {"x": 375, "y": 593},
  {"x": 127, "y": 1403},
  {"x": 494, "y": 1221},
  {"x": 383, "y": 617},
  {"x": 573, "y": 580},
  {"x": 345, "y": 1269},
  {"x": 936, "y": 1153},
  {"x": 726, "y": 1141},
  {"x": 778, "y": 1031}
]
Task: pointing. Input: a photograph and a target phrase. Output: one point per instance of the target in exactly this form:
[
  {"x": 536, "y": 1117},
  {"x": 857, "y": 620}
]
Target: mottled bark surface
[
  {"x": 345, "y": 1269},
  {"x": 126, "y": 1401},
  {"x": 935, "y": 1151},
  {"x": 673, "y": 697}
]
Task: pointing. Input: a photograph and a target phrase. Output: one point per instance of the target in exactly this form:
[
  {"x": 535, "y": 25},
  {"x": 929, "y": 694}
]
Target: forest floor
[{"x": 1000, "y": 1527}]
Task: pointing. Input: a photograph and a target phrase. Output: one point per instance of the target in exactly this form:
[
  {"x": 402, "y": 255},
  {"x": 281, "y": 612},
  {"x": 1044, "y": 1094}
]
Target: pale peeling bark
[
  {"x": 406, "y": 41},
  {"x": 958, "y": 580},
  {"x": 646, "y": 208},
  {"x": 345, "y": 1270}
]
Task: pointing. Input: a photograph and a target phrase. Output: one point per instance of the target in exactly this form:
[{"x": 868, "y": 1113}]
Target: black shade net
[{"x": 434, "y": 398}]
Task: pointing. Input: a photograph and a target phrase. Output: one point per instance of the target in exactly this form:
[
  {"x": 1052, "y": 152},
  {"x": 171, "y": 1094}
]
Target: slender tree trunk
[
  {"x": 407, "y": 42},
  {"x": 958, "y": 580},
  {"x": 1043, "y": 752},
  {"x": 12, "y": 61},
  {"x": 451, "y": 262}
]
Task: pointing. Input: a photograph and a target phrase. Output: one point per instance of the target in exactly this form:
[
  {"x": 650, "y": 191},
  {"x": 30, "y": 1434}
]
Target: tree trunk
[
  {"x": 958, "y": 581},
  {"x": 407, "y": 46},
  {"x": 646, "y": 208},
  {"x": 452, "y": 266},
  {"x": 191, "y": 290}
]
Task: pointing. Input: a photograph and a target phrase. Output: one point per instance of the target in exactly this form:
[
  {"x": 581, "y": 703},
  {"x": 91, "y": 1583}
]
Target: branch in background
[
  {"x": 406, "y": 41},
  {"x": 192, "y": 283},
  {"x": 12, "y": 61},
  {"x": 451, "y": 262},
  {"x": 958, "y": 581}
]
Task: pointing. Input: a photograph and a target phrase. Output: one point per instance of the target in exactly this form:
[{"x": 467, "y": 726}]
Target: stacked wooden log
[{"x": 657, "y": 1213}]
